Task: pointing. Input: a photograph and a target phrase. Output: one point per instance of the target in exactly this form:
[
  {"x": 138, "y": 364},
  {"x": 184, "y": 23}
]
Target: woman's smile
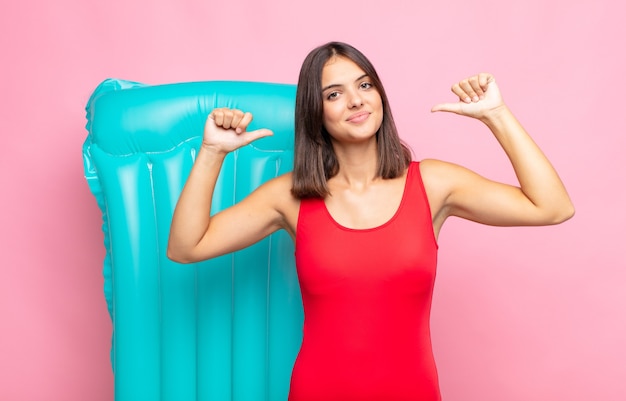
[{"x": 358, "y": 117}]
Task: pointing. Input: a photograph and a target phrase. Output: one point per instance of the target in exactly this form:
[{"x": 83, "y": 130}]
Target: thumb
[
  {"x": 249, "y": 136},
  {"x": 447, "y": 107}
]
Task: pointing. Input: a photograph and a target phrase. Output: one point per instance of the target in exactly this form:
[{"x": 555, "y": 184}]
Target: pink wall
[{"x": 519, "y": 313}]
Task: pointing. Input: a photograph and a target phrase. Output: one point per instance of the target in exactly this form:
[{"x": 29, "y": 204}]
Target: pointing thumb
[
  {"x": 447, "y": 107},
  {"x": 257, "y": 134}
]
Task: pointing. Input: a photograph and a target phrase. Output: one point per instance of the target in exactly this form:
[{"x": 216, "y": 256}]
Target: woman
[{"x": 364, "y": 219}]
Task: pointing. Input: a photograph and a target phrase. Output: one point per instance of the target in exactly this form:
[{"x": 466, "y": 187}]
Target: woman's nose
[{"x": 355, "y": 100}]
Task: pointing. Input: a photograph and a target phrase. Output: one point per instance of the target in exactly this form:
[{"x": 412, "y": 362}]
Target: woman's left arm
[{"x": 540, "y": 199}]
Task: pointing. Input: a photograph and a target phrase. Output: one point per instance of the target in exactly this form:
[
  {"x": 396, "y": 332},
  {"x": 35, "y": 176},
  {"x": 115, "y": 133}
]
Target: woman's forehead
[{"x": 340, "y": 71}]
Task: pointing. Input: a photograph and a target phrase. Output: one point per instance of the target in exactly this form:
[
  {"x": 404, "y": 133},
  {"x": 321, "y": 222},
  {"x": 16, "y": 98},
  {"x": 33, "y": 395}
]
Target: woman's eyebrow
[
  {"x": 338, "y": 85},
  {"x": 330, "y": 86}
]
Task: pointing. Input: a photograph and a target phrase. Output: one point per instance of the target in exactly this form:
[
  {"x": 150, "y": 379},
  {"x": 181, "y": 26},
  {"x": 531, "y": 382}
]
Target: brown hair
[{"x": 315, "y": 161}]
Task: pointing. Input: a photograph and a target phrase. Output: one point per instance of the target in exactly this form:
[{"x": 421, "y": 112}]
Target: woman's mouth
[{"x": 358, "y": 117}]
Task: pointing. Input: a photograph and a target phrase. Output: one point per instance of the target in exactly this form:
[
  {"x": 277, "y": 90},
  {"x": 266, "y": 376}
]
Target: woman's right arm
[{"x": 196, "y": 235}]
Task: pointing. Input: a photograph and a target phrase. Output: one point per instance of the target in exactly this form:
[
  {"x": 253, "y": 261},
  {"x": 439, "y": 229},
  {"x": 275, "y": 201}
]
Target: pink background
[{"x": 519, "y": 313}]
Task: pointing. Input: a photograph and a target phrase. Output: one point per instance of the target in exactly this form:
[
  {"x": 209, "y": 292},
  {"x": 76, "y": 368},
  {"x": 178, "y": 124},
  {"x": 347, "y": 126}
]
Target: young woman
[{"x": 365, "y": 220}]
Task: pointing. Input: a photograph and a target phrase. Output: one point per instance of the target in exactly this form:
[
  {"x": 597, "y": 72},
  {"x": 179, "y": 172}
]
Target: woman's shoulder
[
  {"x": 430, "y": 165},
  {"x": 274, "y": 197},
  {"x": 281, "y": 183},
  {"x": 278, "y": 190},
  {"x": 275, "y": 188},
  {"x": 437, "y": 168},
  {"x": 442, "y": 178},
  {"x": 437, "y": 176}
]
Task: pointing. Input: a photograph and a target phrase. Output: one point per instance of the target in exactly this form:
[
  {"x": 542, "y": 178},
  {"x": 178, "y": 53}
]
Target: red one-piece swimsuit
[{"x": 367, "y": 296}]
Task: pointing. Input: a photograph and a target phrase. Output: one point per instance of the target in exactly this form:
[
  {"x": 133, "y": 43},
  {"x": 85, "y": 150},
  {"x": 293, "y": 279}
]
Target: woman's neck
[{"x": 358, "y": 164}]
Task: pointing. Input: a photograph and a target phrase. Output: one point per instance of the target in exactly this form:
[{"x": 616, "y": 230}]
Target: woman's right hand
[{"x": 226, "y": 130}]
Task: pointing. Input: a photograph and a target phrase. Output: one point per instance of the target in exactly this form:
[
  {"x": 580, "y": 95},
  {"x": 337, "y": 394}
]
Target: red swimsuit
[{"x": 367, "y": 297}]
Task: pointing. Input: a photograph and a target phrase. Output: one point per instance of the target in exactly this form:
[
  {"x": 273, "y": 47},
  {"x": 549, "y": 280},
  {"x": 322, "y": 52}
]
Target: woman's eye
[
  {"x": 332, "y": 95},
  {"x": 366, "y": 85}
]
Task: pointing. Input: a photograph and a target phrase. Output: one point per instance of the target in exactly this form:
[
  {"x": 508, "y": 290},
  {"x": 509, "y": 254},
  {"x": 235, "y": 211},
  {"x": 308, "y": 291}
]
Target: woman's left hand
[{"x": 479, "y": 96}]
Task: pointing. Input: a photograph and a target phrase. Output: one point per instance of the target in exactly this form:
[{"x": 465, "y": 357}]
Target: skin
[{"x": 352, "y": 115}]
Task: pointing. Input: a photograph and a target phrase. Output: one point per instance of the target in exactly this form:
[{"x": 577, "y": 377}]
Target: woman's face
[{"x": 353, "y": 109}]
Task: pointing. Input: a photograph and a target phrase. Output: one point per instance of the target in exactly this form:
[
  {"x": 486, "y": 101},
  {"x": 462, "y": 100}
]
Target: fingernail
[
  {"x": 467, "y": 100},
  {"x": 475, "y": 98}
]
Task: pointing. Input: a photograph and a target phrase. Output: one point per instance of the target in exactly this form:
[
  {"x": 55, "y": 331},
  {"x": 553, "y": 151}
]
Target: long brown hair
[{"x": 315, "y": 161}]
